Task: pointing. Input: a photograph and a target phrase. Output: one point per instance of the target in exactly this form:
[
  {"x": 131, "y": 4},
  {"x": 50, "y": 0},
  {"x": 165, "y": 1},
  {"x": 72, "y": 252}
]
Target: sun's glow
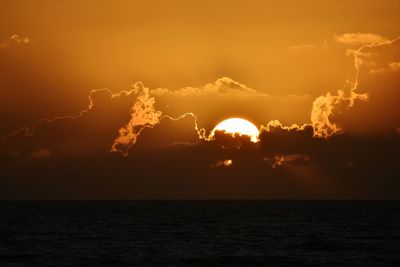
[{"x": 238, "y": 126}]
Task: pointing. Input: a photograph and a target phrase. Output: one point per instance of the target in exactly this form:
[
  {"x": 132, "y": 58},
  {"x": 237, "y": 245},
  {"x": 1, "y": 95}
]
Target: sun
[{"x": 238, "y": 126}]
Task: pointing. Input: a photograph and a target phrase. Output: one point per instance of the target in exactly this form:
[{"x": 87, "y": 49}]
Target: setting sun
[
  {"x": 238, "y": 126},
  {"x": 197, "y": 133}
]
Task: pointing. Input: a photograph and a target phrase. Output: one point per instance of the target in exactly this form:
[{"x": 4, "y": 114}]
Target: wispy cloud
[
  {"x": 359, "y": 38},
  {"x": 377, "y": 71},
  {"x": 299, "y": 47},
  {"x": 14, "y": 39}
]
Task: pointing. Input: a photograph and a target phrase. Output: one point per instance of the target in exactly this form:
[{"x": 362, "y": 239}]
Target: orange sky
[
  {"x": 258, "y": 60},
  {"x": 280, "y": 49}
]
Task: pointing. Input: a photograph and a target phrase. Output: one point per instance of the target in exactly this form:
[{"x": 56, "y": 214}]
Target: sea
[{"x": 200, "y": 233}]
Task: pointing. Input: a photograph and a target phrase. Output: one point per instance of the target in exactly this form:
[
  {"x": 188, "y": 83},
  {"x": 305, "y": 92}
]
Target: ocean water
[{"x": 200, "y": 233}]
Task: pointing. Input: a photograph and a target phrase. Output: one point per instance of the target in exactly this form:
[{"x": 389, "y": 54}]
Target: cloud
[
  {"x": 275, "y": 124},
  {"x": 14, "y": 39},
  {"x": 278, "y": 139},
  {"x": 287, "y": 163},
  {"x": 284, "y": 160},
  {"x": 351, "y": 52},
  {"x": 224, "y": 98},
  {"x": 300, "y": 47},
  {"x": 394, "y": 66},
  {"x": 324, "y": 106},
  {"x": 143, "y": 115},
  {"x": 359, "y": 38},
  {"x": 223, "y": 87},
  {"x": 377, "y": 71},
  {"x": 28, "y": 130},
  {"x": 145, "y": 111},
  {"x": 169, "y": 160}
]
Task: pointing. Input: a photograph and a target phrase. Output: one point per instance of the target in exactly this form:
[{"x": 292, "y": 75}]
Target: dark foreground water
[{"x": 200, "y": 233}]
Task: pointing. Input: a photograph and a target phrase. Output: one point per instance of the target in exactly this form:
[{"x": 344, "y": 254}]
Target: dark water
[{"x": 200, "y": 233}]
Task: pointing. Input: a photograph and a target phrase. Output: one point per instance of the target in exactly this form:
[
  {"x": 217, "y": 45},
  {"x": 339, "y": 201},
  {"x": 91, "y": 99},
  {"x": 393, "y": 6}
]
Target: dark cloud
[{"x": 171, "y": 163}]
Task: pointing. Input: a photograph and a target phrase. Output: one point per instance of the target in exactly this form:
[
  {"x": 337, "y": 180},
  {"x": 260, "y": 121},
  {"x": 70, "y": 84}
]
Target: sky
[{"x": 118, "y": 99}]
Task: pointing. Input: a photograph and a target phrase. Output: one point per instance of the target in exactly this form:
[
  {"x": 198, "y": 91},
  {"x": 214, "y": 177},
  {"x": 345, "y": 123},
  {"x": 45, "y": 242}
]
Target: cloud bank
[{"x": 146, "y": 113}]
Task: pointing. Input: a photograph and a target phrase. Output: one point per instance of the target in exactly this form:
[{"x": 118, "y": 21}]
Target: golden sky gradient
[{"x": 329, "y": 68}]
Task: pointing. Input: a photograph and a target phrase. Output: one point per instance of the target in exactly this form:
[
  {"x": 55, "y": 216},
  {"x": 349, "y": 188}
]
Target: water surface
[{"x": 200, "y": 233}]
